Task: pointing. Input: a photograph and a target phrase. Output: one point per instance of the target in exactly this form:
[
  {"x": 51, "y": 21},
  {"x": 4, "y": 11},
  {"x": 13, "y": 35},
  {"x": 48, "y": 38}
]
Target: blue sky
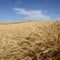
[{"x": 22, "y": 10}]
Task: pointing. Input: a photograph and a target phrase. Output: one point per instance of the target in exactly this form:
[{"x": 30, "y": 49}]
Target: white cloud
[{"x": 31, "y": 14}]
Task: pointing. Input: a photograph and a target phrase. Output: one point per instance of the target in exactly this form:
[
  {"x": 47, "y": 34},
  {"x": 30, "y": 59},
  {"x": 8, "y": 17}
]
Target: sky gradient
[{"x": 23, "y": 10}]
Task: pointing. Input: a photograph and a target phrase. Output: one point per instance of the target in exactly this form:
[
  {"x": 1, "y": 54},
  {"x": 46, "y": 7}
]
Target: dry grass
[{"x": 35, "y": 40}]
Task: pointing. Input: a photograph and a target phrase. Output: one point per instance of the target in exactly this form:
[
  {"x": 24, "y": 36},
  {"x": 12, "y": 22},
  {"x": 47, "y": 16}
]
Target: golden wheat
[{"x": 35, "y": 40}]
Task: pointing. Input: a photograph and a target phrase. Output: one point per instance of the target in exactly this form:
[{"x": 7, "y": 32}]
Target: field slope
[{"x": 32, "y": 40}]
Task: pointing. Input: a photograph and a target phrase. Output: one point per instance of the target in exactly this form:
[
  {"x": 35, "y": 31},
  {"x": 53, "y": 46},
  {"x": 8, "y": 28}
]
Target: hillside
[{"x": 34, "y": 40}]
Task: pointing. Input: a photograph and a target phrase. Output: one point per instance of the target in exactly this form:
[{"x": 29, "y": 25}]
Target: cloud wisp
[{"x": 31, "y": 14}]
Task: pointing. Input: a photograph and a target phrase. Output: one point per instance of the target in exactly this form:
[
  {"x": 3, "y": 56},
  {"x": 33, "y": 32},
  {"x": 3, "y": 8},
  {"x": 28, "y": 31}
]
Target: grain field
[{"x": 34, "y": 40}]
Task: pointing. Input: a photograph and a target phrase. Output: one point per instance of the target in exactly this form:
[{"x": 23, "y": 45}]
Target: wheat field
[{"x": 31, "y": 40}]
